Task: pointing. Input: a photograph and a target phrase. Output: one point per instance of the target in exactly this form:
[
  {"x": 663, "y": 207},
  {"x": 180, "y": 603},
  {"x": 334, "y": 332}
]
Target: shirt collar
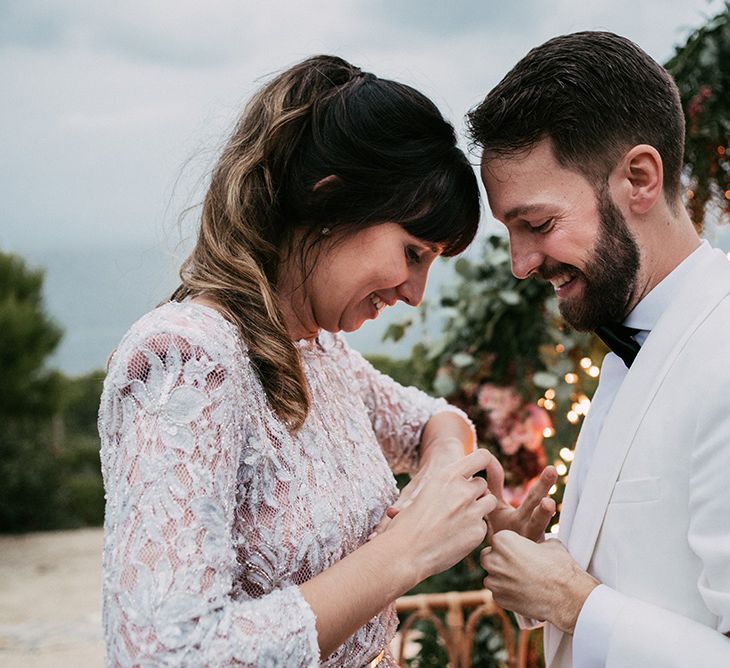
[{"x": 647, "y": 312}]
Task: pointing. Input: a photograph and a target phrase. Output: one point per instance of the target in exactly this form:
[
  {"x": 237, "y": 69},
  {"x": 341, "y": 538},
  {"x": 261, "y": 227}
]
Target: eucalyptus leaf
[
  {"x": 444, "y": 385},
  {"x": 464, "y": 268},
  {"x": 462, "y": 360},
  {"x": 544, "y": 379},
  {"x": 509, "y": 297},
  {"x": 498, "y": 256}
]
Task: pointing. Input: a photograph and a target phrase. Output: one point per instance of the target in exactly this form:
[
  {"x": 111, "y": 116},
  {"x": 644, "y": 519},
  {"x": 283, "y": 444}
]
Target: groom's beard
[{"x": 609, "y": 276}]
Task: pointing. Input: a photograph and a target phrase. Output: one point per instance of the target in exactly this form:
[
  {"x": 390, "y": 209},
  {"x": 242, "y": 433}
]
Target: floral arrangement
[
  {"x": 701, "y": 68},
  {"x": 513, "y": 429}
]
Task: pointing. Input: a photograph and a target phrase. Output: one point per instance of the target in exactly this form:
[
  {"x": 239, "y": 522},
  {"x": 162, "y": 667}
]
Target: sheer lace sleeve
[
  {"x": 398, "y": 414},
  {"x": 172, "y": 429}
]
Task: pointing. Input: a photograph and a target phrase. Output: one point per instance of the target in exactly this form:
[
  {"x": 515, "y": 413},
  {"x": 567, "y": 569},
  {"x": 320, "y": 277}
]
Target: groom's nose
[{"x": 526, "y": 258}]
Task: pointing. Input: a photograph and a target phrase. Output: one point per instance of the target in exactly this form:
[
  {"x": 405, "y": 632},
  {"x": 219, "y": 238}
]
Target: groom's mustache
[{"x": 547, "y": 271}]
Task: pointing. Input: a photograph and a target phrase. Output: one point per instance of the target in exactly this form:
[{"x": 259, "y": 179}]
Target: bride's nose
[{"x": 411, "y": 290}]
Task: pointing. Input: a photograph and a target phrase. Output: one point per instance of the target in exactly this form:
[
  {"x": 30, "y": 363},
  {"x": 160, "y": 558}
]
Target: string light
[
  {"x": 727, "y": 194},
  {"x": 571, "y": 378},
  {"x": 552, "y": 490},
  {"x": 566, "y": 454},
  {"x": 573, "y": 417},
  {"x": 548, "y": 432},
  {"x": 594, "y": 371},
  {"x": 561, "y": 468},
  {"x": 559, "y": 348},
  {"x": 586, "y": 363},
  {"x": 549, "y": 404},
  {"x": 541, "y": 402},
  {"x": 554, "y": 528},
  {"x": 550, "y": 394}
]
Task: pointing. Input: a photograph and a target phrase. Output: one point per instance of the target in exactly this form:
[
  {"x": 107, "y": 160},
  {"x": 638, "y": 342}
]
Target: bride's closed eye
[{"x": 412, "y": 255}]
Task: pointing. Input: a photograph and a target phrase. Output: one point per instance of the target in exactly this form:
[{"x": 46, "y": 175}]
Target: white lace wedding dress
[{"x": 215, "y": 513}]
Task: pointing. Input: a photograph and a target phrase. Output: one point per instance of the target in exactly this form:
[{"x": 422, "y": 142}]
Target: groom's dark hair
[{"x": 594, "y": 95}]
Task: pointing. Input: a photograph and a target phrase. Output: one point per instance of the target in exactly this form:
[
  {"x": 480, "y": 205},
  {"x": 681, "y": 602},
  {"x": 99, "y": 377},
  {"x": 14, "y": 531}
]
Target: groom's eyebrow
[{"x": 523, "y": 210}]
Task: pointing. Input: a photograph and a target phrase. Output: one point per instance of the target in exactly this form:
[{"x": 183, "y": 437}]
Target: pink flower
[
  {"x": 500, "y": 402},
  {"x": 537, "y": 421}
]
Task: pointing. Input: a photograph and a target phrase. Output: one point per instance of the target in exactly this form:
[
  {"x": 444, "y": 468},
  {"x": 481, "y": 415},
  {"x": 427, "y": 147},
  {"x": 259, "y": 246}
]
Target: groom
[{"x": 583, "y": 143}]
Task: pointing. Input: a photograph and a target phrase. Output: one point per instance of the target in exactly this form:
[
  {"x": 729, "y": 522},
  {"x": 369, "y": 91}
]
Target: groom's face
[{"x": 564, "y": 232}]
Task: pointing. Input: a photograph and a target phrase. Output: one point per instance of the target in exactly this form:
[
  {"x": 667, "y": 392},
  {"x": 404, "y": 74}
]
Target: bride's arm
[{"x": 433, "y": 533}]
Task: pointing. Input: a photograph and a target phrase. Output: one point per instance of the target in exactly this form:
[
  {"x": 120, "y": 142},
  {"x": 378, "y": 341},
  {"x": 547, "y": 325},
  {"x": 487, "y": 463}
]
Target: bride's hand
[
  {"x": 443, "y": 452},
  {"x": 445, "y": 520}
]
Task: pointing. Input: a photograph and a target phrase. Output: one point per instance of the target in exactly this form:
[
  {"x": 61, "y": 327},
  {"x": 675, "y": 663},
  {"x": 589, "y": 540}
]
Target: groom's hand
[
  {"x": 541, "y": 581},
  {"x": 533, "y": 515}
]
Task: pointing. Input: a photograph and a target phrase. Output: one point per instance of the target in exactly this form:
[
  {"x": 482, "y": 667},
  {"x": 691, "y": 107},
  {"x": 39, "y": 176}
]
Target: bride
[{"x": 247, "y": 451}]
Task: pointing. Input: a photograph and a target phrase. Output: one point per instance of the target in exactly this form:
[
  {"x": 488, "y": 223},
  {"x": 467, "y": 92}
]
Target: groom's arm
[{"x": 542, "y": 581}]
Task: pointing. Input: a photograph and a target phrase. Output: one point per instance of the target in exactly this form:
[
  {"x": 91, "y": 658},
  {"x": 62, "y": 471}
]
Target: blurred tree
[
  {"x": 49, "y": 448},
  {"x": 701, "y": 68},
  {"x": 82, "y": 490},
  {"x": 29, "y": 398}
]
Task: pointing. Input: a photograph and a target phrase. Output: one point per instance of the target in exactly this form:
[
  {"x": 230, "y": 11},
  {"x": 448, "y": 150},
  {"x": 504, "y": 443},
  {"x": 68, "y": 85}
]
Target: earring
[{"x": 325, "y": 231}]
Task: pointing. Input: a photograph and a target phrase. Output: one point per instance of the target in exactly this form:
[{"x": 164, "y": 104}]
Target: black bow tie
[{"x": 620, "y": 340}]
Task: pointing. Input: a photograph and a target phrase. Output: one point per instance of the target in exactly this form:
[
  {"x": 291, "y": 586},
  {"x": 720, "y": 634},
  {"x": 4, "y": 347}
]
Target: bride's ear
[{"x": 326, "y": 182}]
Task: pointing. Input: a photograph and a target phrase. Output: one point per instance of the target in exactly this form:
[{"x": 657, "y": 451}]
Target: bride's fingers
[
  {"x": 487, "y": 504},
  {"x": 480, "y": 486}
]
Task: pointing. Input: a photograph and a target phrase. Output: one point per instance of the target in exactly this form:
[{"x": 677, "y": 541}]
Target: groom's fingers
[
  {"x": 538, "y": 491},
  {"x": 540, "y": 518}
]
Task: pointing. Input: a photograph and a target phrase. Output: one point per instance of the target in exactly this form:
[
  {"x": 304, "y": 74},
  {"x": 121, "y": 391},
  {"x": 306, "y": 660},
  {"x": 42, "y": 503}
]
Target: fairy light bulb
[{"x": 566, "y": 454}]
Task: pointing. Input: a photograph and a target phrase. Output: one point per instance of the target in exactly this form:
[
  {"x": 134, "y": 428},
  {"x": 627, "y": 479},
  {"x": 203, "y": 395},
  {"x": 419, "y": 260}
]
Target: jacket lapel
[
  {"x": 707, "y": 285},
  {"x": 581, "y": 520}
]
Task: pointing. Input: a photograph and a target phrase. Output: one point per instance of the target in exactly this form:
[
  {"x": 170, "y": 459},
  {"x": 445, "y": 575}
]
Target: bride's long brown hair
[{"x": 395, "y": 159}]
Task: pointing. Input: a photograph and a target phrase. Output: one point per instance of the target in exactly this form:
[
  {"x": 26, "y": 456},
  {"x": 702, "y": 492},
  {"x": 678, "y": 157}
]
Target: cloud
[{"x": 113, "y": 112}]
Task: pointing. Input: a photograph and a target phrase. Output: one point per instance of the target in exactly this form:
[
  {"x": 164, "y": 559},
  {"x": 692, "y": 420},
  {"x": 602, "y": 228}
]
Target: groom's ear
[{"x": 638, "y": 179}]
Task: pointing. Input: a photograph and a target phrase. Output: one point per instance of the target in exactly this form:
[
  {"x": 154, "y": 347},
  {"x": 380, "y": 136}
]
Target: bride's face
[{"x": 355, "y": 278}]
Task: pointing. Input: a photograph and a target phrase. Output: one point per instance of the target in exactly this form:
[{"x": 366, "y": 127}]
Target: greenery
[
  {"x": 49, "y": 452},
  {"x": 701, "y": 68}
]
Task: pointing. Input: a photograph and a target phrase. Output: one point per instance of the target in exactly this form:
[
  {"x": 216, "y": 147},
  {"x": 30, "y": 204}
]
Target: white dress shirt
[{"x": 603, "y": 605}]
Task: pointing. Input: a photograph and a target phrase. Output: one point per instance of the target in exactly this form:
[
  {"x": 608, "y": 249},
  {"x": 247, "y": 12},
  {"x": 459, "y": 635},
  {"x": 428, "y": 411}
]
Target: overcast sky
[{"x": 113, "y": 111}]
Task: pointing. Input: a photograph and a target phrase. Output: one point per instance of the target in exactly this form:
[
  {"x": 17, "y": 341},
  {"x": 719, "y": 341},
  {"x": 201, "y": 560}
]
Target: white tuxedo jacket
[{"x": 653, "y": 521}]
